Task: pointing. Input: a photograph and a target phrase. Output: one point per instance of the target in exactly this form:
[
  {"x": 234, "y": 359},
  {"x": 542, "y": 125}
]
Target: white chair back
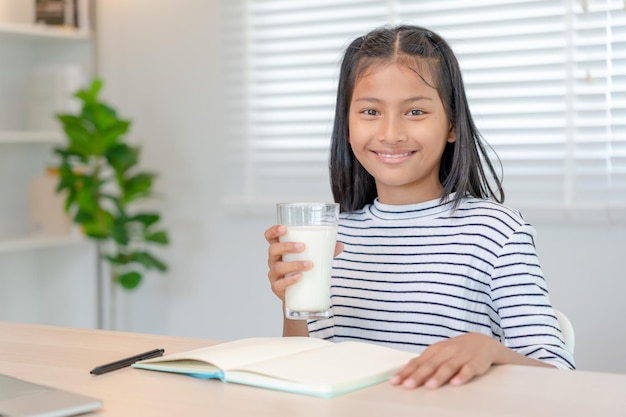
[{"x": 567, "y": 329}]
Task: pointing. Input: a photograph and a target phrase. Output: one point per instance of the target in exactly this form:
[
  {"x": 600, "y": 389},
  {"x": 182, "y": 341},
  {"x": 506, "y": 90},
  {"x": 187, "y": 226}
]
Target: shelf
[
  {"x": 21, "y": 30},
  {"x": 32, "y": 243},
  {"x": 31, "y": 137}
]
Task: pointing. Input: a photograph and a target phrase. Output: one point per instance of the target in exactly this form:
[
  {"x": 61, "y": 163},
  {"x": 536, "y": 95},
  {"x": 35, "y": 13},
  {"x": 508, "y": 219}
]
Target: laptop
[{"x": 19, "y": 398}]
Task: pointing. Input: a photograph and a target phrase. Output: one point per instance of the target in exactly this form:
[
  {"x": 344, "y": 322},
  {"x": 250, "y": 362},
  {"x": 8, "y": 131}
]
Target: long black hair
[{"x": 464, "y": 161}]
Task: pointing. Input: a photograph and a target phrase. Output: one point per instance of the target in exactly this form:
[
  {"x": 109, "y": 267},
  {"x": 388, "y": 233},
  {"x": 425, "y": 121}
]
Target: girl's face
[{"x": 398, "y": 130}]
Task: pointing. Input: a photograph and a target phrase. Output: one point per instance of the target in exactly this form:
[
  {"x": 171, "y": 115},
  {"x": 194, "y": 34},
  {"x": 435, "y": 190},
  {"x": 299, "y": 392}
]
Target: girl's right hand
[{"x": 283, "y": 274}]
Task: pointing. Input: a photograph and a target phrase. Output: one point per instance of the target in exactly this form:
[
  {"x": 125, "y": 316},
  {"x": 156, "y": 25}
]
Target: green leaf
[
  {"x": 119, "y": 232},
  {"x": 149, "y": 261},
  {"x": 104, "y": 117},
  {"x": 90, "y": 95},
  {"x": 70, "y": 157},
  {"x": 147, "y": 219},
  {"x": 111, "y": 135},
  {"x": 79, "y": 138},
  {"x": 95, "y": 230},
  {"x": 86, "y": 198},
  {"x": 101, "y": 225},
  {"x": 83, "y": 217},
  {"x": 159, "y": 237},
  {"x": 119, "y": 259},
  {"x": 122, "y": 157},
  {"x": 70, "y": 200},
  {"x": 136, "y": 186},
  {"x": 66, "y": 178},
  {"x": 129, "y": 280}
]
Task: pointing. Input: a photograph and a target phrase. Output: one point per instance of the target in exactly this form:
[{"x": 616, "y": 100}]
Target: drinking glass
[{"x": 315, "y": 225}]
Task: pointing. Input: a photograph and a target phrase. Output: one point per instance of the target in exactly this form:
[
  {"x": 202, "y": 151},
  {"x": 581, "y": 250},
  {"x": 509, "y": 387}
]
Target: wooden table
[{"x": 63, "y": 357}]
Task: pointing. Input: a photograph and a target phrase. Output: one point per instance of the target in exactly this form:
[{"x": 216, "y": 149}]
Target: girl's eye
[
  {"x": 370, "y": 112},
  {"x": 415, "y": 112}
]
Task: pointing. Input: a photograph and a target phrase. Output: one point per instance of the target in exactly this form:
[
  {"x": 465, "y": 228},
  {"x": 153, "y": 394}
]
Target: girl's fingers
[
  {"x": 443, "y": 374},
  {"x": 467, "y": 372},
  {"x": 285, "y": 274},
  {"x": 280, "y": 285},
  {"x": 282, "y": 269},
  {"x": 277, "y": 250},
  {"x": 338, "y": 248},
  {"x": 455, "y": 360},
  {"x": 429, "y": 374},
  {"x": 273, "y": 233},
  {"x": 414, "y": 372},
  {"x": 430, "y": 368}
]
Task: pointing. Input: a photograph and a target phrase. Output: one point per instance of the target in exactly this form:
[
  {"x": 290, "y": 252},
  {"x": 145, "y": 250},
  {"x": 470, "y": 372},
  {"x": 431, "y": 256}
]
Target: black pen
[{"x": 122, "y": 363}]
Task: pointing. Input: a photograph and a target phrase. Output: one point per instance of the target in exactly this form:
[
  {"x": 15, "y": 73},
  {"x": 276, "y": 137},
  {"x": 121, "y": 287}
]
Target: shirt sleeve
[{"x": 520, "y": 295}]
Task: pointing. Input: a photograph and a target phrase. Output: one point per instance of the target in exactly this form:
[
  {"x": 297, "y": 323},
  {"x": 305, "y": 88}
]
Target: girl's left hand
[{"x": 456, "y": 360}]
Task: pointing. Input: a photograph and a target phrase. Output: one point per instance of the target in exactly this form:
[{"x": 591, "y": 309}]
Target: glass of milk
[{"x": 315, "y": 225}]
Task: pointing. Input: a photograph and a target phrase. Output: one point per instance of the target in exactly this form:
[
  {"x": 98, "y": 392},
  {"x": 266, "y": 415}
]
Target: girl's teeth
[{"x": 384, "y": 155}]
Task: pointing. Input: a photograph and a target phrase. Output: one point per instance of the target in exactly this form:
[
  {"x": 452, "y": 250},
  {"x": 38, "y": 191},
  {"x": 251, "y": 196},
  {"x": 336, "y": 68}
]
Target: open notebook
[
  {"x": 302, "y": 365},
  {"x": 19, "y": 398}
]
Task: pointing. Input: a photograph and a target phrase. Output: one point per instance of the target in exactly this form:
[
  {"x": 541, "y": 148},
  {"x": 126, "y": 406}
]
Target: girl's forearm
[
  {"x": 294, "y": 327},
  {"x": 510, "y": 357}
]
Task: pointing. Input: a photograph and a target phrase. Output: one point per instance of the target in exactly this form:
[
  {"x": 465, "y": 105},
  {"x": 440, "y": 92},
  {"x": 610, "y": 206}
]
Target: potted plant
[{"x": 98, "y": 174}]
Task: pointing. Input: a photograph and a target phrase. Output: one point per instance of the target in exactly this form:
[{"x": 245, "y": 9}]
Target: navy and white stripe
[{"x": 414, "y": 275}]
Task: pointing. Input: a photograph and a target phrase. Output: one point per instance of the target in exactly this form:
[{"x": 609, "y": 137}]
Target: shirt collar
[{"x": 427, "y": 209}]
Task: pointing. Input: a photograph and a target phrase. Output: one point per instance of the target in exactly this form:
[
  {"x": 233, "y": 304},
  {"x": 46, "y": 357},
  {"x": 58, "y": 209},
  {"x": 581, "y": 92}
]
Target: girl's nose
[{"x": 392, "y": 131}]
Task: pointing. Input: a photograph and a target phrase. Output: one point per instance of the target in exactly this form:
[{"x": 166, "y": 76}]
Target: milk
[{"x": 311, "y": 295}]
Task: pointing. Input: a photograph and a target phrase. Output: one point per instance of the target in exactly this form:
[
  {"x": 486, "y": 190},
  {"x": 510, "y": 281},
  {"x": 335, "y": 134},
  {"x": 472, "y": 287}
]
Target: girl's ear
[{"x": 452, "y": 135}]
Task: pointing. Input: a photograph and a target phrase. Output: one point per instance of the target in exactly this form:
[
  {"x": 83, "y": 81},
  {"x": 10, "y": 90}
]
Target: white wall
[
  {"x": 41, "y": 286},
  {"x": 585, "y": 267},
  {"x": 160, "y": 67},
  {"x": 160, "y": 64}
]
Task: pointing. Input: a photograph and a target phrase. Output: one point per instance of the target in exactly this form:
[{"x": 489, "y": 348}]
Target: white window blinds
[
  {"x": 597, "y": 147},
  {"x": 546, "y": 81}
]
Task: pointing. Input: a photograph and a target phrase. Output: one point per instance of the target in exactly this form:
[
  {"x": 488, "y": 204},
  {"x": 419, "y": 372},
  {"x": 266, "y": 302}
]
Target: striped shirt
[{"x": 413, "y": 275}]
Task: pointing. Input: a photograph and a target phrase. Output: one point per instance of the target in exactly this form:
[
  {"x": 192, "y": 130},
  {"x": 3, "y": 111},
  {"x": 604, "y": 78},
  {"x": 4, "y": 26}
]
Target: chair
[{"x": 568, "y": 331}]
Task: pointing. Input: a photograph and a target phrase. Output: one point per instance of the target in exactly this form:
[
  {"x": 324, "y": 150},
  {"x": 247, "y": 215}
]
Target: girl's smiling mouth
[{"x": 393, "y": 158}]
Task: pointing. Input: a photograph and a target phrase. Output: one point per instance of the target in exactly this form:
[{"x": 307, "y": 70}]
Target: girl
[{"x": 429, "y": 260}]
